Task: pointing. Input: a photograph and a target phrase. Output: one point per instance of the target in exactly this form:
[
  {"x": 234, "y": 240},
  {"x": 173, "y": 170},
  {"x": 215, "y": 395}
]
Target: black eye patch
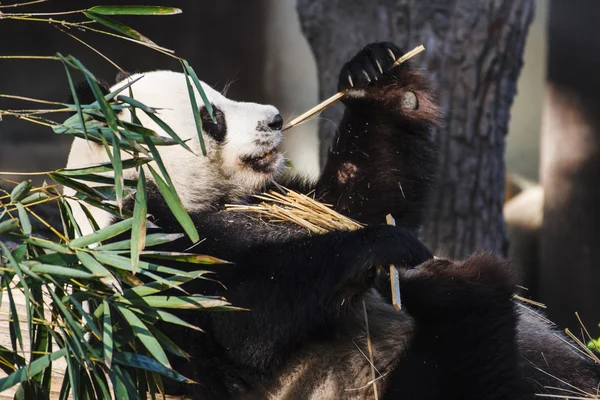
[{"x": 216, "y": 131}]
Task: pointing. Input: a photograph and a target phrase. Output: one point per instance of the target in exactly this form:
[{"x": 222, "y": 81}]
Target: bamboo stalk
[
  {"x": 333, "y": 99},
  {"x": 394, "y": 276}
]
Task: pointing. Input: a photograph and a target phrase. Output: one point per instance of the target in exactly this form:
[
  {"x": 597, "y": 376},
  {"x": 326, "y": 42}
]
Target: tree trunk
[
  {"x": 570, "y": 167},
  {"x": 474, "y": 52}
]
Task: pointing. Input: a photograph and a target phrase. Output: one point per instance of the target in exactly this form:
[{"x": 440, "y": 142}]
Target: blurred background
[{"x": 517, "y": 79}]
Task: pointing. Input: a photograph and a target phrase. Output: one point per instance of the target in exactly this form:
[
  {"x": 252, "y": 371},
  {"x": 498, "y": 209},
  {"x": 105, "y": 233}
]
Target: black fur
[
  {"x": 459, "y": 335},
  {"x": 217, "y": 130}
]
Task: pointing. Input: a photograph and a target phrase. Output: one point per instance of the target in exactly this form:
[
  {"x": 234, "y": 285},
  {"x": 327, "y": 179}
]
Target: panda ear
[
  {"x": 122, "y": 75},
  {"x": 84, "y": 92}
]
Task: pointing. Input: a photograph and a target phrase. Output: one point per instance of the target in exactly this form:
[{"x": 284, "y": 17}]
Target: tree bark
[
  {"x": 474, "y": 52},
  {"x": 570, "y": 166}
]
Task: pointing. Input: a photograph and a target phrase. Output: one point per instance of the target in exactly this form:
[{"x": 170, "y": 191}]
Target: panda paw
[
  {"x": 369, "y": 66},
  {"x": 482, "y": 285}
]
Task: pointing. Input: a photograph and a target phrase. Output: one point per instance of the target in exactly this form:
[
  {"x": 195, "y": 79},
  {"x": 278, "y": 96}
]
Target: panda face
[{"x": 242, "y": 154}]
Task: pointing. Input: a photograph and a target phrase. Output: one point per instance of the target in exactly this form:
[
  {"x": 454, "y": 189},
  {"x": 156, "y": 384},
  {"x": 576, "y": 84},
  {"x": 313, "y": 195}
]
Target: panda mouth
[{"x": 262, "y": 162}]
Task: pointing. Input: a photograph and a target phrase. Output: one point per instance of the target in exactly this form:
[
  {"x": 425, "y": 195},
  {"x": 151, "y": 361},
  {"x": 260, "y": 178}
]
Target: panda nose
[{"x": 276, "y": 123}]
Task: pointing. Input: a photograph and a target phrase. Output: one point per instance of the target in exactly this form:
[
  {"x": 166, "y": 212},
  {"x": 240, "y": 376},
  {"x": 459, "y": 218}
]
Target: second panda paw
[{"x": 369, "y": 66}]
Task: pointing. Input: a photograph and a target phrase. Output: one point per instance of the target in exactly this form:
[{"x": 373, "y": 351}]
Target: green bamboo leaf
[
  {"x": 77, "y": 186},
  {"x": 9, "y": 225},
  {"x": 72, "y": 227},
  {"x": 57, "y": 270},
  {"x": 195, "y": 111},
  {"x": 34, "y": 368},
  {"x": 81, "y": 173},
  {"x": 184, "y": 257},
  {"x": 138, "y": 230},
  {"x": 142, "y": 362},
  {"x": 144, "y": 336},
  {"x": 157, "y": 287},
  {"x": 124, "y": 263},
  {"x": 109, "y": 192},
  {"x": 20, "y": 191},
  {"x": 137, "y": 104},
  {"x": 26, "y": 293},
  {"x": 180, "y": 302},
  {"x": 176, "y": 207},
  {"x": 107, "y": 180},
  {"x": 153, "y": 239},
  {"x": 134, "y": 10},
  {"x": 15, "y": 326},
  {"x": 151, "y": 113},
  {"x": 167, "y": 343},
  {"x": 79, "y": 114},
  {"x": 99, "y": 270},
  {"x": 119, "y": 180},
  {"x": 85, "y": 315},
  {"x": 158, "y": 159},
  {"x": 24, "y": 218},
  {"x": 107, "y": 337},
  {"x": 109, "y": 208},
  {"x": 190, "y": 71},
  {"x": 103, "y": 234},
  {"x": 118, "y": 26},
  {"x": 47, "y": 244},
  {"x": 167, "y": 317},
  {"x": 34, "y": 198},
  {"x": 108, "y": 112},
  {"x": 131, "y": 126},
  {"x": 123, "y": 385}
]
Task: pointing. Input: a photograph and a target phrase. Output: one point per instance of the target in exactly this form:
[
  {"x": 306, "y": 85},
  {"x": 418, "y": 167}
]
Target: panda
[{"x": 312, "y": 299}]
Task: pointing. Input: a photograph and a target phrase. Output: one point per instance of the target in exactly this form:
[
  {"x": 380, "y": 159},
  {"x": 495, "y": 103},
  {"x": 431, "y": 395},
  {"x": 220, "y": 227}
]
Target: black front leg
[
  {"x": 302, "y": 288},
  {"x": 383, "y": 159},
  {"x": 465, "y": 341}
]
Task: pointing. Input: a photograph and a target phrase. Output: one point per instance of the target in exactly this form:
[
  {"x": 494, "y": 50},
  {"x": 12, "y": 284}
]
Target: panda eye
[{"x": 205, "y": 116}]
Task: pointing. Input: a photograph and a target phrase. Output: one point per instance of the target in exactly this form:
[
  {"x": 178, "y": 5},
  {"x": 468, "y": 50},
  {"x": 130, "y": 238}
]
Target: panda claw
[
  {"x": 366, "y": 74},
  {"x": 379, "y": 66},
  {"x": 350, "y": 81},
  {"x": 391, "y": 53}
]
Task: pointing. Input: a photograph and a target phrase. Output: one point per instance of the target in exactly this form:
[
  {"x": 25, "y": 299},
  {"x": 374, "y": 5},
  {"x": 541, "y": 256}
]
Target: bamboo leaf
[
  {"x": 153, "y": 239},
  {"x": 157, "y": 287},
  {"x": 81, "y": 173},
  {"x": 34, "y": 198},
  {"x": 167, "y": 343},
  {"x": 20, "y": 191},
  {"x": 136, "y": 104},
  {"x": 180, "y": 302},
  {"x": 195, "y": 110},
  {"x": 119, "y": 180},
  {"x": 140, "y": 361},
  {"x": 124, "y": 263},
  {"x": 77, "y": 186},
  {"x": 134, "y": 10},
  {"x": 176, "y": 207},
  {"x": 24, "y": 218},
  {"x": 98, "y": 270},
  {"x": 107, "y": 337},
  {"x": 9, "y": 225},
  {"x": 75, "y": 99},
  {"x": 117, "y": 26},
  {"x": 57, "y": 270},
  {"x": 103, "y": 234},
  {"x": 34, "y": 368},
  {"x": 190, "y": 71},
  {"x": 143, "y": 334},
  {"x": 184, "y": 257},
  {"x": 138, "y": 230}
]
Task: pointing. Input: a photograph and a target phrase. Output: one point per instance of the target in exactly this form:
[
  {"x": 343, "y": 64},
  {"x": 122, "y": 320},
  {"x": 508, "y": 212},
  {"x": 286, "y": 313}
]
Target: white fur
[{"x": 198, "y": 179}]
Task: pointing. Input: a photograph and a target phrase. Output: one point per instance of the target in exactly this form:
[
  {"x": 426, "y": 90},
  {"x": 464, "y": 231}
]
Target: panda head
[{"x": 241, "y": 147}]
